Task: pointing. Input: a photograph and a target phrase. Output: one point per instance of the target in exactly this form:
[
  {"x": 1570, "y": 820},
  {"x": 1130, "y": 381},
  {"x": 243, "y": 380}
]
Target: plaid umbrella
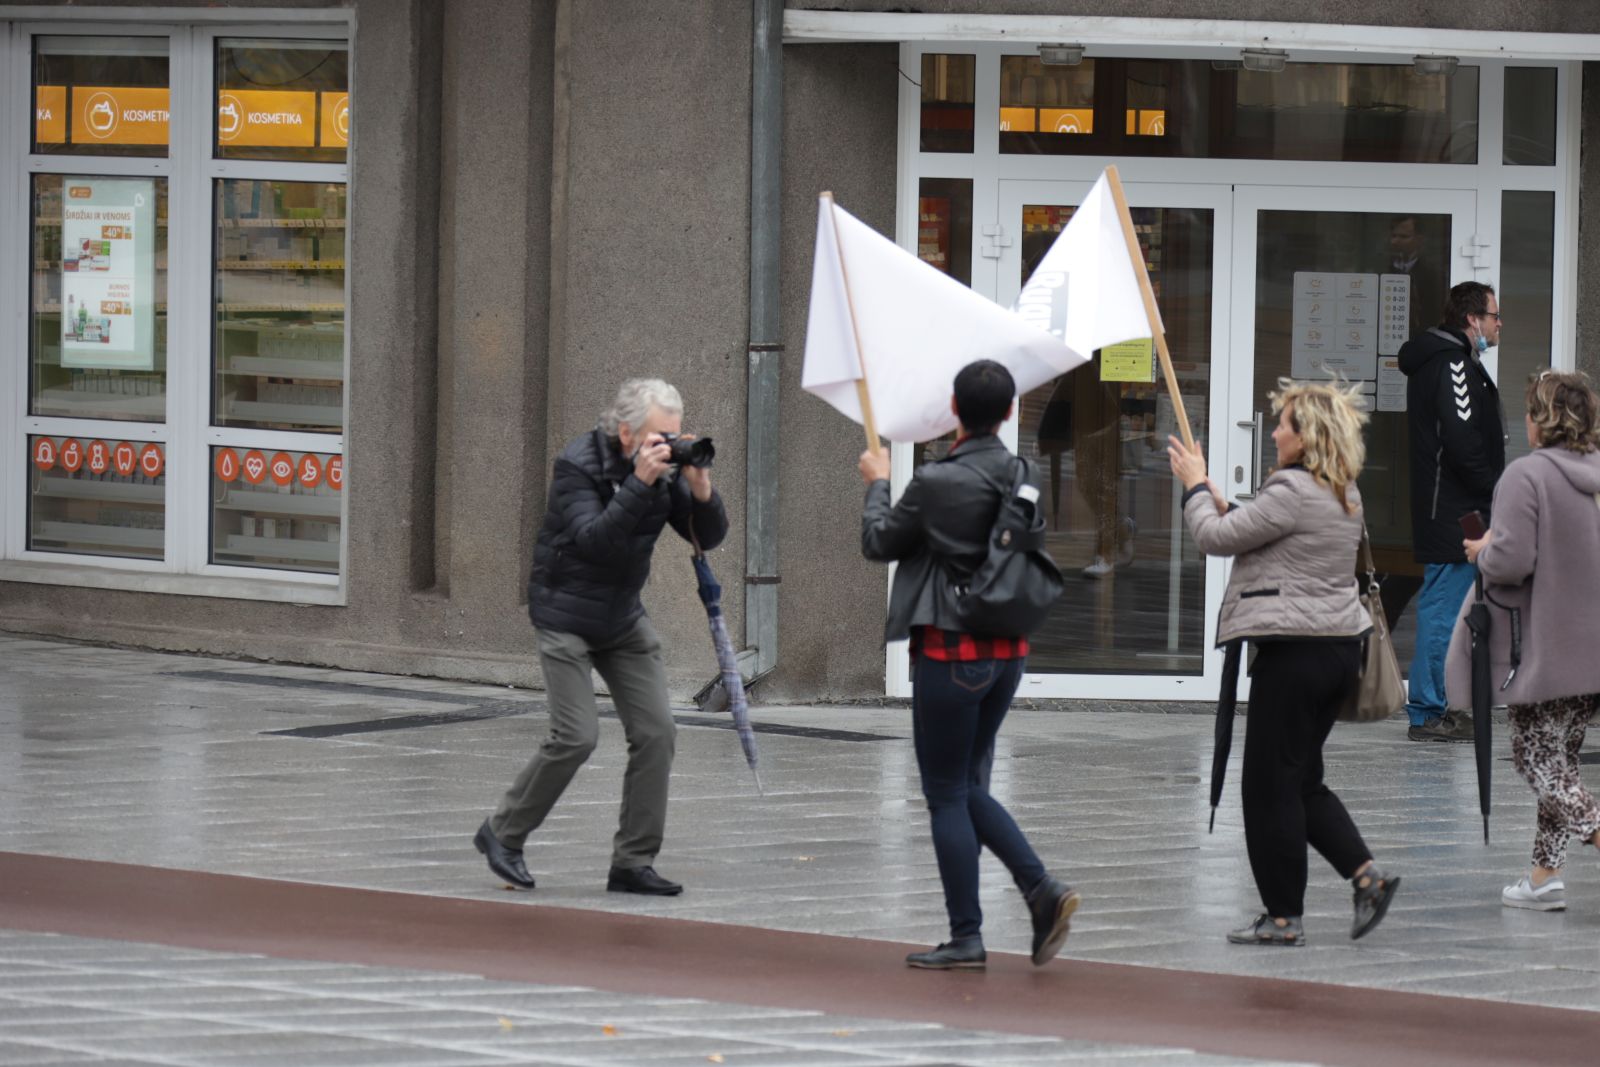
[{"x": 732, "y": 683}]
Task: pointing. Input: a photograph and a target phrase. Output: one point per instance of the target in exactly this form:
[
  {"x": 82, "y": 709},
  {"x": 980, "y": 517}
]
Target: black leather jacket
[
  {"x": 939, "y": 530},
  {"x": 593, "y": 553}
]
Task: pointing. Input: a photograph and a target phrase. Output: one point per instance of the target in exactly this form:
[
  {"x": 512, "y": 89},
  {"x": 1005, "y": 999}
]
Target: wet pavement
[{"x": 370, "y": 782}]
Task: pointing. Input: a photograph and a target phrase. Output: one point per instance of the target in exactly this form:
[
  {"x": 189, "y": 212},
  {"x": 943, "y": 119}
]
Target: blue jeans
[
  {"x": 1444, "y": 587},
  {"x": 956, "y": 711}
]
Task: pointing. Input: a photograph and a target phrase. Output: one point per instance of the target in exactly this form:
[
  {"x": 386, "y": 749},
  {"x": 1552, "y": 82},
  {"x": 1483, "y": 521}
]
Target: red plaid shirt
[{"x": 948, "y": 646}]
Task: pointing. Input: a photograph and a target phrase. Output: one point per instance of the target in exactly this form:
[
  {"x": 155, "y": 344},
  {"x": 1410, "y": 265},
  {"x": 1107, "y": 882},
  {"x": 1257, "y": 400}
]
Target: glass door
[
  {"x": 1137, "y": 618},
  {"x": 1331, "y": 283}
]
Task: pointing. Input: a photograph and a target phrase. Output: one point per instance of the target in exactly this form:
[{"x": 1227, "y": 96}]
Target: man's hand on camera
[{"x": 654, "y": 459}]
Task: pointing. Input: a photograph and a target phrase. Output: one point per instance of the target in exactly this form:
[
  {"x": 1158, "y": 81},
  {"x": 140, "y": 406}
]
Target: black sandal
[
  {"x": 1266, "y": 931},
  {"x": 1372, "y": 899}
]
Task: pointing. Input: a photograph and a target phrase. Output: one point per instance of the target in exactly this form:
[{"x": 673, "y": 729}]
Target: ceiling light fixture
[
  {"x": 1434, "y": 64},
  {"x": 1265, "y": 60},
  {"x": 1061, "y": 55}
]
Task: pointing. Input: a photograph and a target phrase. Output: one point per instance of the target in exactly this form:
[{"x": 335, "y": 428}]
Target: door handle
[{"x": 1254, "y": 425}]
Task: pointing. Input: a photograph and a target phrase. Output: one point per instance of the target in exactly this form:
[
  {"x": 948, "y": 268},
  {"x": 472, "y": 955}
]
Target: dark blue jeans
[{"x": 956, "y": 711}]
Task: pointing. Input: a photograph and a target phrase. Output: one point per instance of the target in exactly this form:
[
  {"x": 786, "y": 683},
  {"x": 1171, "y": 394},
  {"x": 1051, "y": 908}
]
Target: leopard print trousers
[{"x": 1545, "y": 739}]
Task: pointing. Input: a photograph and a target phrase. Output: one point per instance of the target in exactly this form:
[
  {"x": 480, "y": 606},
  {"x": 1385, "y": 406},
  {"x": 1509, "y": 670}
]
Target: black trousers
[{"x": 1296, "y": 689}]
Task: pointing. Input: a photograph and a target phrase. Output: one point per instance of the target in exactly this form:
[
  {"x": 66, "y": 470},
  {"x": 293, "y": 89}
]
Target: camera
[{"x": 690, "y": 451}]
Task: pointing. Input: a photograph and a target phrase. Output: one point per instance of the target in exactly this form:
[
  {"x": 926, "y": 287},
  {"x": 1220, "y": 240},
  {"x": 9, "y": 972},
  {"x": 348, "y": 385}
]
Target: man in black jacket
[
  {"x": 612, "y": 492},
  {"x": 962, "y": 683},
  {"x": 1458, "y": 449}
]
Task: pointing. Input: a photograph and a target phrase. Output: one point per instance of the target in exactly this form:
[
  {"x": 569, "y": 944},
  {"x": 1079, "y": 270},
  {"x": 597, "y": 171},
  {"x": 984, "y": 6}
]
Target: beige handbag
[{"x": 1382, "y": 691}]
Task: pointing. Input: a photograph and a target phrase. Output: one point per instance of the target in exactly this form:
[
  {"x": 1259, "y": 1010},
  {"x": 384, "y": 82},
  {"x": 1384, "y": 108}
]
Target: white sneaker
[
  {"x": 1552, "y": 896},
  {"x": 1098, "y": 569}
]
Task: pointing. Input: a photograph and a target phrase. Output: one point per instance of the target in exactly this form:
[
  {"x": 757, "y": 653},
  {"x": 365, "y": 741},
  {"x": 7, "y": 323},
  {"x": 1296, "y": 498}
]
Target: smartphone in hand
[{"x": 1472, "y": 525}]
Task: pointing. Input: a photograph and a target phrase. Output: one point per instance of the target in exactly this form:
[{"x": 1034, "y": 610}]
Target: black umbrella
[
  {"x": 727, "y": 661},
  {"x": 1227, "y": 702},
  {"x": 1478, "y": 625}
]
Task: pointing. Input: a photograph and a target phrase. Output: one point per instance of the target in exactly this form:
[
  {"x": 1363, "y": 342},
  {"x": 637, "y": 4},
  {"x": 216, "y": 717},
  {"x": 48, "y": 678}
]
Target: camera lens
[{"x": 692, "y": 452}]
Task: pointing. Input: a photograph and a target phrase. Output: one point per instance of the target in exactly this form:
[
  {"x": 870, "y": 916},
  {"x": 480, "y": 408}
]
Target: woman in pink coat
[{"x": 1539, "y": 559}]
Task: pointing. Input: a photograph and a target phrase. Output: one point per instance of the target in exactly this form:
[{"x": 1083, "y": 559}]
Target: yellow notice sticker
[
  {"x": 335, "y": 120},
  {"x": 280, "y": 119},
  {"x": 1128, "y": 362},
  {"x": 119, "y": 115},
  {"x": 50, "y": 114}
]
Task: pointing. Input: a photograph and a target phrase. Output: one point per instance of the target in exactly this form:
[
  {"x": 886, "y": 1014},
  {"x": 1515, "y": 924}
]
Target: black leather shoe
[
  {"x": 1051, "y": 905},
  {"x": 506, "y": 862},
  {"x": 964, "y": 955},
  {"x": 641, "y": 880}
]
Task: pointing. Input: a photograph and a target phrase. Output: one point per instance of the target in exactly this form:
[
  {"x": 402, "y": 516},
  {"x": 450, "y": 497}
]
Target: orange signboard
[
  {"x": 1066, "y": 120},
  {"x": 335, "y": 119},
  {"x": 1019, "y": 119},
  {"x": 112, "y": 115},
  {"x": 50, "y": 114},
  {"x": 257, "y": 117}
]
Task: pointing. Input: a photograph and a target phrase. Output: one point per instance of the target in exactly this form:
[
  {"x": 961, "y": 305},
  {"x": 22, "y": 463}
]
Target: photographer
[{"x": 611, "y": 493}]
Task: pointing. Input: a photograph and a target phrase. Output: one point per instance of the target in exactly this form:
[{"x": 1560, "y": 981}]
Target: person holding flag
[{"x": 962, "y": 683}]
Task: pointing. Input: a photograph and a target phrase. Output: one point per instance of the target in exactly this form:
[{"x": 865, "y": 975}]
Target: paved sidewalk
[{"x": 377, "y": 782}]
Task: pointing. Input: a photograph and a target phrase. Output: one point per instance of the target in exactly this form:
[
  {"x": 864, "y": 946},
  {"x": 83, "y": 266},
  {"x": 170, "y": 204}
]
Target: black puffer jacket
[
  {"x": 600, "y": 528},
  {"x": 1458, "y": 440},
  {"x": 939, "y": 531}
]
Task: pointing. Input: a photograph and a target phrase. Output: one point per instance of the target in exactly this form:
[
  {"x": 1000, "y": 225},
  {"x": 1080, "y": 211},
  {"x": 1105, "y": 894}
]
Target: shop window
[
  {"x": 948, "y": 83},
  {"x": 1044, "y": 108},
  {"x": 1370, "y": 113},
  {"x": 98, "y": 314},
  {"x": 287, "y": 100},
  {"x": 116, "y": 386},
  {"x": 101, "y": 96},
  {"x": 276, "y": 509},
  {"x": 1527, "y": 296},
  {"x": 1530, "y": 123},
  {"x": 280, "y": 305},
  {"x": 97, "y": 497}
]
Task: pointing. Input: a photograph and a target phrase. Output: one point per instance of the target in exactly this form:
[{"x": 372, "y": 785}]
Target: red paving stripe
[{"x": 528, "y": 942}]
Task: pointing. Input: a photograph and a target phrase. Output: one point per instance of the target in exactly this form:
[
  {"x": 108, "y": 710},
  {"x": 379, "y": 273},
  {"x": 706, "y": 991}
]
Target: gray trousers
[{"x": 632, "y": 669}]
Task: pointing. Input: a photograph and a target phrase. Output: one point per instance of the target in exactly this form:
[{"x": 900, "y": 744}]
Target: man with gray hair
[{"x": 612, "y": 491}]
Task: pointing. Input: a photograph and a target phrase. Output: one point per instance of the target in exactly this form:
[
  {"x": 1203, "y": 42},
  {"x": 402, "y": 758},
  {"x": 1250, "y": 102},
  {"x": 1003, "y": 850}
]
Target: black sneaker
[
  {"x": 964, "y": 955},
  {"x": 1051, "y": 904},
  {"x": 1435, "y": 729}
]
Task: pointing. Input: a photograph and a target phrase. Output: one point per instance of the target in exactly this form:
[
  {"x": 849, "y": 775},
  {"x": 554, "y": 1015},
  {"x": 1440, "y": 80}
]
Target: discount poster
[{"x": 108, "y": 241}]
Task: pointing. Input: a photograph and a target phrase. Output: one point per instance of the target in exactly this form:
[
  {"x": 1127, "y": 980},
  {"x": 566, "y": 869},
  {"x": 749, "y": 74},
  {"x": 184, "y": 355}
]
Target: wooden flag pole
[
  {"x": 867, "y": 421},
  {"x": 1150, "y": 311}
]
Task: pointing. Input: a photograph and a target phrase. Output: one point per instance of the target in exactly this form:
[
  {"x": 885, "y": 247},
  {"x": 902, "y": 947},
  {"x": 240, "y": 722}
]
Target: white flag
[
  {"x": 916, "y": 326},
  {"x": 1086, "y": 288}
]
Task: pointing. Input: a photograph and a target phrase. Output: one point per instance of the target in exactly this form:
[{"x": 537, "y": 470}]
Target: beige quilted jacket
[{"x": 1295, "y": 560}]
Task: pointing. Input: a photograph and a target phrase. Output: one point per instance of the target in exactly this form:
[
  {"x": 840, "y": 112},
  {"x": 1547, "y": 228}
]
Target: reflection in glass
[
  {"x": 286, "y": 100},
  {"x": 1375, "y": 113},
  {"x": 101, "y": 96},
  {"x": 1136, "y": 599},
  {"x": 1530, "y": 123},
  {"x": 948, "y": 83},
  {"x": 280, "y": 250},
  {"x": 276, "y": 509},
  {"x": 97, "y": 323},
  {"x": 1043, "y": 108},
  {"x": 1352, "y": 252},
  {"x": 944, "y": 240},
  {"x": 1527, "y": 293},
  {"x": 96, "y": 497}
]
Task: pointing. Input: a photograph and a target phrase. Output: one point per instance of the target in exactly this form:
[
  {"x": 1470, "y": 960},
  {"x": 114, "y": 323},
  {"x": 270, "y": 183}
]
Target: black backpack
[{"x": 1014, "y": 588}]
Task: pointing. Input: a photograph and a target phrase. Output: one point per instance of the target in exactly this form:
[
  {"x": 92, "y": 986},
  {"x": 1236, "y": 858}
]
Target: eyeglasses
[{"x": 1495, "y": 315}]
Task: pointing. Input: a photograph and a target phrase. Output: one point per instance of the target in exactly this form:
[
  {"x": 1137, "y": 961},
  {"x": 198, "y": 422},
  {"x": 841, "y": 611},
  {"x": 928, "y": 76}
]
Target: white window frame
[
  {"x": 187, "y": 433},
  {"x": 987, "y": 167}
]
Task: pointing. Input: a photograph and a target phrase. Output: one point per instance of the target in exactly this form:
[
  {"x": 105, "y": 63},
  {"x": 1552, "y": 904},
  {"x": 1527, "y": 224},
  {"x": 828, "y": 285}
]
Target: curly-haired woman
[
  {"x": 1292, "y": 594},
  {"x": 1539, "y": 560}
]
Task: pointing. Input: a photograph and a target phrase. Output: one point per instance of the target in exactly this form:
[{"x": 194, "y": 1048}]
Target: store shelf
[
  {"x": 265, "y": 502},
  {"x": 279, "y": 548},
  {"x": 320, "y": 370},
  {"x": 84, "y": 533},
  {"x": 104, "y": 492},
  {"x": 280, "y": 264},
  {"x": 83, "y": 405},
  {"x": 302, "y": 414},
  {"x": 282, "y": 224},
  {"x": 246, "y": 309}
]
